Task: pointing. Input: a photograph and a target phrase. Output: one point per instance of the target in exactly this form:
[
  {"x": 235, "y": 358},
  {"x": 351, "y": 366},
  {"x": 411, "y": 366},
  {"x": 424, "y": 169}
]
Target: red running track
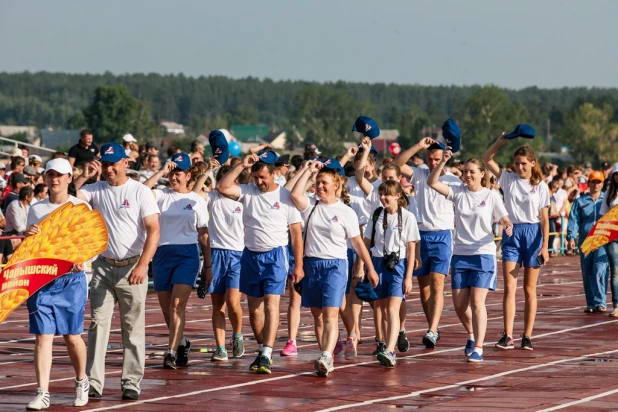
[{"x": 574, "y": 365}]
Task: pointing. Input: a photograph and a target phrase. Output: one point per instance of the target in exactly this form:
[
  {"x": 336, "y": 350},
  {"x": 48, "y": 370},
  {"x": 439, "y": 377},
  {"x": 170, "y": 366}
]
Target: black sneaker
[
  {"x": 92, "y": 393},
  {"x": 182, "y": 357},
  {"x": 169, "y": 362},
  {"x": 130, "y": 395},
  {"x": 402, "y": 342},
  {"x": 254, "y": 366},
  {"x": 380, "y": 348},
  {"x": 526, "y": 343},
  {"x": 263, "y": 365},
  {"x": 506, "y": 342}
]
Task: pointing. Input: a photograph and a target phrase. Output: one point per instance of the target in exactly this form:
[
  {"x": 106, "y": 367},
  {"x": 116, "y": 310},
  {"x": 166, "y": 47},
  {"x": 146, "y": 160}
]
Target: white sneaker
[
  {"x": 81, "y": 392},
  {"x": 40, "y": 402},
  {"x": 324, "y": 366}
]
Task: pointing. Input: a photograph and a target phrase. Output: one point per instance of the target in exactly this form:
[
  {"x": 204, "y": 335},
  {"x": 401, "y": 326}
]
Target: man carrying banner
[{"x": 58, "y": 307}]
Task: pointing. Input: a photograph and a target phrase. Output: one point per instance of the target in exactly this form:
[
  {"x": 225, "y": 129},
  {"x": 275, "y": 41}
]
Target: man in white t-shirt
[
  {"x": 121, "y": 272},
  {"x": 269, "y": 214},
  {"x": 437, "y": 219}
]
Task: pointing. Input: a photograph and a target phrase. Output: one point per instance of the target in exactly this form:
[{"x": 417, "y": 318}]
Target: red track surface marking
[{"x": 573, "y": 366}]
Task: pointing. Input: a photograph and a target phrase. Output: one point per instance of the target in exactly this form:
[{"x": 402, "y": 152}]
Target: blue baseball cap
[
  {"x": 182, "y": 160},
  {"x": 522, "y": 130},
  {"x": 268, "y": 156},
  {"x": 367, "y": 126},
  {"x": 452, "y": 135},
  {"x": 437, "y": 145},
  {"x": 112, "y": 152},
  {"x": 219, "y": 146},
  {"x": 365, "y": 292},
  {"x": 333, "y": 164},
  {"x": 373, "y": 150}
]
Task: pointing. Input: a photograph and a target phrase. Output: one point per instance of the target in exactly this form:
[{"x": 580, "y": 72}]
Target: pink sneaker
[
  {"x": 290, "y": 349},
  {"x": 350, "y": 348}
]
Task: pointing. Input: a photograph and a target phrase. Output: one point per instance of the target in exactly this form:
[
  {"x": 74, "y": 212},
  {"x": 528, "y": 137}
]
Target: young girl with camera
[
  {"x": 473, "y": 266},
  {"x": 393, "y": 239}
]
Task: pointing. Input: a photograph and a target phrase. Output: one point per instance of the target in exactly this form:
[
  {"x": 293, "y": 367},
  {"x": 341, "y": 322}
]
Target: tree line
[{"x": 584, "y": 119}]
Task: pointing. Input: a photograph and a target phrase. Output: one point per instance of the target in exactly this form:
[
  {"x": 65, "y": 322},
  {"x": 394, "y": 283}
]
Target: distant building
[
  {"x": 172, "y": 128},
  {"x": 54, "y": 139},
  {"x": 7, "y": 131},
  {"x": 279, "y": 140},
  {"x": 382, "y": 142}
]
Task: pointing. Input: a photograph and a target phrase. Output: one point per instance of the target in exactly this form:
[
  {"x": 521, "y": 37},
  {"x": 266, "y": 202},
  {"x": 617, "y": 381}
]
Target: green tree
[
  {"x": 77, "y": 121},
  {"x": 410, "y": 125},
  {"x": 144, "y": 125},
  {"x": 590, "y": 134},
  {"x": 112, "y": 113}
]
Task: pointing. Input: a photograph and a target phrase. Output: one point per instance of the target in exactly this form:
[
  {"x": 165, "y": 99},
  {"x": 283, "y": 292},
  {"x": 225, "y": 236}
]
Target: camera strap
[
  {"x": 374, "y": 219},
  {"x": 399, "y": 229},
  {"x": 307, "y": 224}
]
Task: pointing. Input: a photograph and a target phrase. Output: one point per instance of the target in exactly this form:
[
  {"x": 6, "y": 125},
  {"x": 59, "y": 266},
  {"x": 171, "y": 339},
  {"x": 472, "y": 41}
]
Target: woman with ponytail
[
  {"x": 328, "y": 223},
  {"x": 526, "y": 197}
]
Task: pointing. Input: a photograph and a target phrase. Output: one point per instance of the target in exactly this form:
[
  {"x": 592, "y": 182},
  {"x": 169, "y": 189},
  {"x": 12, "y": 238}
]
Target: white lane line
[
  {"x": 583, "y": 400},
  {"x": 462, "y": 383}
]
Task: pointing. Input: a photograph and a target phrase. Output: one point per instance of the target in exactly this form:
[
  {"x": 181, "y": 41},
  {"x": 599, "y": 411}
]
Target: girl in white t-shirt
[
  {"x": 611, "y": 200},
  {"x": 328, "y": 223},
  {"x": 473, "y": 266},
  {"x": 393, "y": 240},
  {"x": 526, "y": 197},
  {"x": 176, "y": 263}
]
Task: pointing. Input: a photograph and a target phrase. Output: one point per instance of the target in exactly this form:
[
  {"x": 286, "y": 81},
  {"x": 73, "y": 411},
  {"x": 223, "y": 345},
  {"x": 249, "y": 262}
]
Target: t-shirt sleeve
[
  {"x": 202, "y": 212},
  {"x": 505, "y": 178},
  {"x": 499, "y": 209},
  {"x": 410, "y": 232},
  {"x": 453, "y": 191},
  {"x": 293, "y": 214},
  {"x": 351, "y": 224},
  {"x": 89, "y": 190},
  {"x": 73, "y": 152},
  {"x": 148, "y": 204},
  {"x": 246, "y": 191},
  {"x": 32, "y": 220},
  {"x": 543, "y": 195}
]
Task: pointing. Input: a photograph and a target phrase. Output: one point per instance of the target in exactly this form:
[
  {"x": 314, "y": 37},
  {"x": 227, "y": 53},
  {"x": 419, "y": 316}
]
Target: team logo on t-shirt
[
  {"x": 276, "y": 206},
  {"x": 125, "y": 203},
  {"x": 335, "y": 219},
  {"x": 237, "y": 210},
  {"x": 483, "y": 204},
  {"x": 92, "y": 150},
  {"x": 533, "y": 191},
  {"x": 110, "y": 150},
  {"x": 188, "y": 207}
]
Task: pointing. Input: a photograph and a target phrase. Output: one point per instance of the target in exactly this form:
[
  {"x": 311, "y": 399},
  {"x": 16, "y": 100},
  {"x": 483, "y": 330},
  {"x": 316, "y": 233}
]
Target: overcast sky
[{"x": 515, "y": 44}]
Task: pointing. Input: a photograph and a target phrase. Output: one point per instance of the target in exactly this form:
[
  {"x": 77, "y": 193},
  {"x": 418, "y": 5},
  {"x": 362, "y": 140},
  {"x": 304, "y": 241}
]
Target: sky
[{"x": 513, "y": 44}]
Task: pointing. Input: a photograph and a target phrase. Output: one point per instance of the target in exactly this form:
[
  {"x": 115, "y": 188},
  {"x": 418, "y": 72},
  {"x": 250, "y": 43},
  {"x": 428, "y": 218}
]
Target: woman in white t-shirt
[
  {"x": 473, "y": 266},
  {"x": 176, "y": 263},
  {"x": 526, "y": 197},
  {"x": 328, "y": 223},
  {"x": 611, "y": 200},
  {"x": 392, "y": 239}
]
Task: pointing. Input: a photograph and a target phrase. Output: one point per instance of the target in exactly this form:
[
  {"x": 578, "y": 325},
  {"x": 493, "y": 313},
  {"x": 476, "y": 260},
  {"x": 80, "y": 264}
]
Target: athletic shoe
[
  {"x": 338, "y": 346},
  {"x": 220, "y": 355},
  {"x": 438, "y": 333},
  {"x": 350, "y": 348},
  {"x": 81, "y": 392},
  {"x": 475, "y": 357},
  {"x": 263, "y": 366},
  {"x": 380, "y": 348},
  {"x": 254, "y": 366},
  {"x": 324, "y": 366},
  {"x": 403, "y": 345},
  {"x": 387, "y": 358},
  {"x": 182, "y": 357},
  {"x": 169, "y": 362},
  {"x": 130, "y": 395},
  {"x": 526, "y": 343},
  {"x": 92, "y": 393},
  {"x": 469, "y": 347},
  {"x": 506, "y": 342},
  {"x": 430, "y": 339},
  {"x": 40, "y": 402},
  {"x": 238, "y": 347},
  {"x": 290, "y": 349}
]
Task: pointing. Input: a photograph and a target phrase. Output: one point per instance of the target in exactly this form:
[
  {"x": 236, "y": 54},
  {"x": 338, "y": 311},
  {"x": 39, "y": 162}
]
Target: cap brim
[
  {"x": 511, "y": 135},
  {"x": 112, "y": 158}
]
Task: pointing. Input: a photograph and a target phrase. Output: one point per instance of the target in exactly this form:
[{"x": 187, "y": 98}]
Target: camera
[
  {"x": 202, "y": 290},
  {"x": 391, "y": 260}
]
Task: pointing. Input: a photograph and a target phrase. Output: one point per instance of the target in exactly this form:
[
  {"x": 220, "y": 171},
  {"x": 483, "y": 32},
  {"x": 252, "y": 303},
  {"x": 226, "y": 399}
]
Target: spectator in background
[
  {"x": 85, "y": 150},
  {"x": 152, "y": 149},
  {"x": 35, "y": 161},
  {"x": 17, "y": 213},
  {"x": 281, "y": 169},
  {"x": 30, "y": 173},
  {"x": 311, "y": 151},
  {"x": 171, "y": 151},
  {"x": 152, "y": 166},
  {"x": 606, "y": 169},
  {"x": 17, "y": 165},
  {"x": 197, "y": 147},
  {"x": 40, "y": 193},
  {"x": 16, "y": 182},
  {"x": 24, "y": 152},
  {"x": 2, "y": 176},
  {"x": 59, "y": 155}
]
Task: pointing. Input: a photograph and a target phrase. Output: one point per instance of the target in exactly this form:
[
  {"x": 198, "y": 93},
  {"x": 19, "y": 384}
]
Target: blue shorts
[
  {"x": 263, "y": 273},
  {"x": 478, "y": 271},
  {"x": 290, "y": 260},
  {"x": 324, "y": 282},
  {"x": 58, "y": 307},
  {"x": 174, "y": 265},
  {"x": 436, "y": 252},
  {"x": 391, "y": 282},
  {"x": 225, "y": 270},
  {"x": 524, "y": 246},
  {"x": 351, "y": 260}
]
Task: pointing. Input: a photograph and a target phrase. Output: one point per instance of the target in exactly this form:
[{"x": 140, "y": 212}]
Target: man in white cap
[
  {"x": 58, "y": 307},
  {"x": 85, "y": 150}
]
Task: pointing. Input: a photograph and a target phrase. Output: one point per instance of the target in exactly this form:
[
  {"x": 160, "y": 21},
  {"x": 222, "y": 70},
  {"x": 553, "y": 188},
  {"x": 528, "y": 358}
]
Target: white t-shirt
[
  {"x": 475, "y": 213},
  {"x": 523, "y": 202},
  {"x": 359, "y": 206},
  {"x": 409, "y": 233},
  {"x": 435, "y": 211},
  {"x": 124, "y": 209},
  {"x": 604, "y": 207},
  {"x": 373, "y": 198},
  {"x": 561, "y": 196},
  {"x": 267, "y": 217},
  {"x": 354, "y": 189},
  {"x": 42, "y": 208},
  {"x": 181, "y": 215},
  {"x": 225, "y": 225},
  {"x": 328, "y": 229}
]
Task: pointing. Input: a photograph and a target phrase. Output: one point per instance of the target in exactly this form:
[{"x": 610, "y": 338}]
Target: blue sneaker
[
  {"x": 475, "y": 357},
  {"x": 469, "y": 347}
]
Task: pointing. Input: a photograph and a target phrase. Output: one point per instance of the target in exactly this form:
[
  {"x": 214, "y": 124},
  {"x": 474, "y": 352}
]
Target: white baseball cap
[
  {"x": 2, "y": 165},
  {"x": 129, "y": 138},
  {"x": 615, "y": 168},
  {"x": 61, "y": 166},
  {"x": 17, "y": 152},
  {"x": 36, "y": 158}
]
